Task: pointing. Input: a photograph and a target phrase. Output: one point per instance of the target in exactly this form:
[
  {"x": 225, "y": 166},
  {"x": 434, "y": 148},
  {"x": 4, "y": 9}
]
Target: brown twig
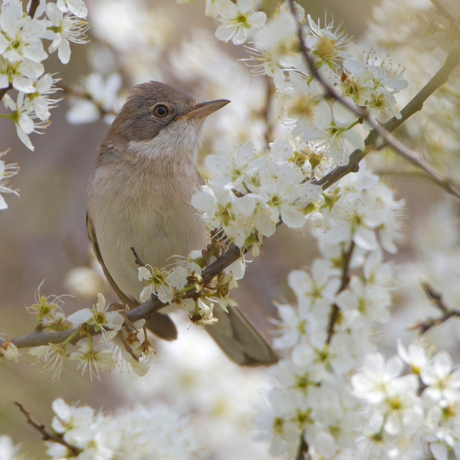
[
  {"x": 443, "y": 12},
  {"x": 303, "y": 448},
  {"x": 144, "y": 311},
  {"x": 233, "y": 253},
  {"x": 334, "y": 315},
  {"x": 47, "y": 435},
  {"x": 34, "y": 4},
  {"x": 436, "y": 299},
  {"x": 3, "y": 91},
  {"x": 137, "y": 259},
  {"x": 379, "y": 130},
  {"x": 72, "y": 92},
  {"x": 267, "y": 109}
]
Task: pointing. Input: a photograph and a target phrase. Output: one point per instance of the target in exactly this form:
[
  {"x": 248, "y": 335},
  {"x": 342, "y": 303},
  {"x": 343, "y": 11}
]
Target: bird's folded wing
[{"x": 161, "y": 325}]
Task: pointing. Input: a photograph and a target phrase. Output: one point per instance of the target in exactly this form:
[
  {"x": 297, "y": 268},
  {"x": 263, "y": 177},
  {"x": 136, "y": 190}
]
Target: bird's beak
[{"x": 203, "y": 109}]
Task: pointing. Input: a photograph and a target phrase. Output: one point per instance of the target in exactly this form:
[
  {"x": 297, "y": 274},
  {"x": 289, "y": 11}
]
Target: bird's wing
[
  {"x": 132, "y": 303},
  {"x": 161, "y": 325}
]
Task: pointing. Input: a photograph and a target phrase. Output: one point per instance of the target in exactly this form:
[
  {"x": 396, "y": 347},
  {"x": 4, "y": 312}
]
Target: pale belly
[{"x": 157, "y": 226}]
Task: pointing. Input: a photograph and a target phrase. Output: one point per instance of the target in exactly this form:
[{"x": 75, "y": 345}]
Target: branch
[
  {"x": 144, "y": 311},
  {"x": 378, "y": 130},
  {"x": 436, "y": 299},
  {"x": 3, "y": 91},
  {"x": 303, "y": 448},
  {"x": 233, "y": 253},
  {"x": 443, "y": 12},
  {"x": 34, "y": 4},
  {"x": 334, "y": 316},
  {"x": 47, "y": 435},
  {"x": 75, "y": 93}
]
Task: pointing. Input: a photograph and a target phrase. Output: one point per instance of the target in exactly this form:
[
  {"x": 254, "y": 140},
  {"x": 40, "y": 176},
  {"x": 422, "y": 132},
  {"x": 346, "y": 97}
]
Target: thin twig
[
  {"x": 233, "y": 253},
  {"x": 3, "y": 91},
  {"x": 362, "y": 113},
  {"x": 47, "y": 435},
  {"x": 436, "y": 299},
  {"x": 266, "y": 112},
  {"x": 137, "y": 259},
  {"x": 334, "y": 315},
  {"x": 72, "y": 92},
  {"x": 303, "y": 448},
  {"x": 34, "y": 4},
  {"x": 443, "y": 12},
  {"x": 144, "y": 311}
]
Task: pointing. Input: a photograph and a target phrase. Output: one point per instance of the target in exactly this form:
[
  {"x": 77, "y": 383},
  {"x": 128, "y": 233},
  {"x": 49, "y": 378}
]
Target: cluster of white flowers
[
  {"x": 139, "y": 434},
  {"x": 8, "y": 451},
  {"x": 405, "y": 414},
  {"x": 172, "y": 286},
  {"x": 117, "y": 346},
  {"x": 22, "y": 53},
  {"x": 251, "y": 193},
  {"x": 328, "y": 333},
  {"x": 96, "y": 97},
  {"x": 326, "y": 125}
]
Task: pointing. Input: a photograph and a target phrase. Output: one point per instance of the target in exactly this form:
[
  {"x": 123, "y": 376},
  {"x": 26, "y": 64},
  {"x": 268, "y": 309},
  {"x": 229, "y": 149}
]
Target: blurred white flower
[
  {"x": 237, "y": 19},
  {"x": 8, "y": 451},
  {"x": 95, "y": 98},
  {"x": 442, "y": 380}
]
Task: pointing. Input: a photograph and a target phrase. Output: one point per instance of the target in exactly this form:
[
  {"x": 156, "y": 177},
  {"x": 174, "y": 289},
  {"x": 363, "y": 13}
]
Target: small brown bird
[{"x": 139, "y": 196}]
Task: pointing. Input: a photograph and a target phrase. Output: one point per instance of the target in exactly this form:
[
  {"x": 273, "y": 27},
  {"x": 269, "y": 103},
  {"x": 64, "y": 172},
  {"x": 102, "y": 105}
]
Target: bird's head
[{"x": 158, "y": 120}]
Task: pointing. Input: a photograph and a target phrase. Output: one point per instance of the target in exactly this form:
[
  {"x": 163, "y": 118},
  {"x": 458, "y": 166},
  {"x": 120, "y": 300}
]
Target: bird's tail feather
[{"x": 239, "y": 339}]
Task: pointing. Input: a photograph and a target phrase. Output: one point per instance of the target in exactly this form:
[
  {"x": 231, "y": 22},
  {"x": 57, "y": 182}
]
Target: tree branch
[
  {"x": 303, "y": 448},
  {"x": 443, "y": 12},
  {"x": 47, "y": 435},
  {"x": 233, "y": 252},
  {"x": 379, "y": 130},
  {"x": 34, "y": 4},
  {"x": 437, "y": 300},
  {"x": 3, "y": 91},
  {"x": 334, "y": 316},
  {"x": 144, "y": 311}
]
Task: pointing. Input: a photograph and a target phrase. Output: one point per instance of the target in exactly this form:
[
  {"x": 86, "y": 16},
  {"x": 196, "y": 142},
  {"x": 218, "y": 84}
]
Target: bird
[{"x": 139, "y": 196}]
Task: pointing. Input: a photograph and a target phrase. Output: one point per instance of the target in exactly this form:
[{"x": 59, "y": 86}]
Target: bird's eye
[{"x": 161, "y": 111}]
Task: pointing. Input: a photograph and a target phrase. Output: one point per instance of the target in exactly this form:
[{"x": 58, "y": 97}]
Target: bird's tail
[{"x": 239, "y": 339}]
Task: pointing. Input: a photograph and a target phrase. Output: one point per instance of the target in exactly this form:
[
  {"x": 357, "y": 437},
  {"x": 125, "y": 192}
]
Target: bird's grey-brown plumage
[{"x": 139, "y": 196}]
